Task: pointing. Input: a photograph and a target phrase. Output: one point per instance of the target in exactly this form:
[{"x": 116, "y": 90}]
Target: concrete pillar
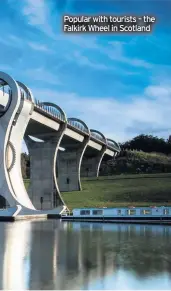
[
  {"x": 43, "y": 191},
  {"x": 91, "y": 165},
  {"x": 68, "y": 167}
]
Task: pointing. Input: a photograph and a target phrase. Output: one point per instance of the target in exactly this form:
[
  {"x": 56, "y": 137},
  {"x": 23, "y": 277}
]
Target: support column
[
  {"x": 68, "y": 165},
  {"x": 91, "y": 165},
  {"x": 43, "y": 190},
  {"x": 13, "y": 121}
]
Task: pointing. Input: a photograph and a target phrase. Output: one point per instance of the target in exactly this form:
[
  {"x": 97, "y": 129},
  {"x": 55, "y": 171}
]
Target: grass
[
  {"x": 121, "y": 190},
  {"x": 26, "y": 182}
]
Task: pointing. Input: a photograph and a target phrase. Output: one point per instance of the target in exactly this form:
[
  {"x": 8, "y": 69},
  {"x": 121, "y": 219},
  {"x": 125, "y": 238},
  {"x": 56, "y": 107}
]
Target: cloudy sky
[{"x": 117, "y": 83}]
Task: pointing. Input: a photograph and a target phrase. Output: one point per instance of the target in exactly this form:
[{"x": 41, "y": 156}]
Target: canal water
[{"x": 84, "y": 256}]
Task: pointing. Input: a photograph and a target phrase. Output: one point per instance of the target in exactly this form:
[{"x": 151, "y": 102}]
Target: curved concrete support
[
  {"x": 9, "y": 150},
  {"x": 91, "y": 164},
  {"x": 43, "y": 180},
  {"x": 69, "y": 161},
  {"x": 69, "y": 166},
  {"x": 13, "y": 125},
  {"x": 92, "y": 159},
  {"x": 16, "y": 139}
]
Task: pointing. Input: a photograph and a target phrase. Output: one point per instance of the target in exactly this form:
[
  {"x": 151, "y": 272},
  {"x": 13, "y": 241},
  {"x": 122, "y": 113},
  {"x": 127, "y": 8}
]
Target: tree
[{"x": 148, "y": 143}]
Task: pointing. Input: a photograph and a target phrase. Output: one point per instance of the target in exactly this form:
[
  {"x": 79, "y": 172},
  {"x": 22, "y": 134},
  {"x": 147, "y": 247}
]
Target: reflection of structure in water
[
  {"x": 143, "y": 248},
  {"x": 42, "y": 256},
  {"x": 16, "y": 262},
  {"x": 54, "y": 255},
  {"x": 2, "y": 251},
  {"x": 3, "y": 203}
]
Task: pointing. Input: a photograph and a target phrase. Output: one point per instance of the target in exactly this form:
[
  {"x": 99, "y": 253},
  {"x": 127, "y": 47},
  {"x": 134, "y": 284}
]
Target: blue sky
[{"x": 119, "y": 84}]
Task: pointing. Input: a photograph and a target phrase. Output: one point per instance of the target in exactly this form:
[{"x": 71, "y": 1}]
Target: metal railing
[
  {"x": 113, "y": 145},
  {"x": 98, "y": 137},
  {"x": 6, "y": 90},
  {"x": 25, "y": 95},
  {"x": 49, "y": 110},
  {"x": 78, "y": 126}
]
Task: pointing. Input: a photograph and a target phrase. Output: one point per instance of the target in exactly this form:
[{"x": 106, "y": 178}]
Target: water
[{"x": 60, "y": 255}]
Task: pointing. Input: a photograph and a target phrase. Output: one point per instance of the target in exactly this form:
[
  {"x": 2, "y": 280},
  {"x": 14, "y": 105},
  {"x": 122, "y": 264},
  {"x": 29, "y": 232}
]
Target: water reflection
[
  {"x": 61, "y": 255},
  {"x": 15, "y": 254}
]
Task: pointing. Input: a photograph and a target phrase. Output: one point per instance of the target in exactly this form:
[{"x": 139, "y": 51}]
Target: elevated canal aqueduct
[{"x": 52, "y": 170}]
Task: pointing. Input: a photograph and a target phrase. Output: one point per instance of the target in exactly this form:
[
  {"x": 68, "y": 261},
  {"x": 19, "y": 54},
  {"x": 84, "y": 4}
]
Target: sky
[{"x": 116, "y": 83}]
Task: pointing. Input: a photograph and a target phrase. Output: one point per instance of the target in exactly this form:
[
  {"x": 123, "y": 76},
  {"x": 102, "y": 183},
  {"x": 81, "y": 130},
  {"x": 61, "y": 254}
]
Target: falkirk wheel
[{"x": 52, "y": 170}]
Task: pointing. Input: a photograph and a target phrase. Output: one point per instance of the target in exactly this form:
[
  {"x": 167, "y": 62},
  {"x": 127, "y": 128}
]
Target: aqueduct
[{"x": 52, "y": 171}]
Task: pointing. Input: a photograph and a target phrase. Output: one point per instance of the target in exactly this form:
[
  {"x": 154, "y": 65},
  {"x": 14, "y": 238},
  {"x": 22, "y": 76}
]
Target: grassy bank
[{"x": 121, "y": 190}]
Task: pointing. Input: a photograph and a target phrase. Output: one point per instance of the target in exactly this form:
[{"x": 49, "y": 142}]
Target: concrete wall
[
  {"x": 91, "y": 165},
  {"x": 42, "y": 184},
  {"x": 68, "y": 167}
]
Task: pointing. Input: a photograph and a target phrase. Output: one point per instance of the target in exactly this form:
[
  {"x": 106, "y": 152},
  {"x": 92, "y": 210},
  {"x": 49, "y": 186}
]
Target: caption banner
[{"x": 103, "y": 23}]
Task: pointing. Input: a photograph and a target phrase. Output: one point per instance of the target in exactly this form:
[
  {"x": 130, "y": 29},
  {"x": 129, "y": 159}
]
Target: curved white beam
[
  {"x": 7, "y": 154},
  {"x": 13, "y": 125},
  {"x": 50, "y": 104},
  {"x": 116, "y": 145},
  {"x": 27, "y": 91},
  {"x": 79, "y": 121},
  {"x": 99, "y": 133}
]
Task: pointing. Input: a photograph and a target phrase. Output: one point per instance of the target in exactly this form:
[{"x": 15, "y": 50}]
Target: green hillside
[
  {"x": 134, "y": 178},
  {"x": 123, "y": 190},
  {"x": 133, "y": 161}
]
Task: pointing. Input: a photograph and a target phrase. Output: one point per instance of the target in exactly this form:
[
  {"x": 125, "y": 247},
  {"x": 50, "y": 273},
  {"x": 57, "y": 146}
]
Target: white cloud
[
  {"x": 39, "y": 47},
  {"x": 84, "y": 42},
  {"x": 117, "y": 54},
  {"x": 41, "y": 74},
  {"x": 15, "y": 39},
  {"x": 114, "y": 50},
  {"x": 35, "y": 11},
  {"x": 12, "y": 41},
  {"x": 117, "y": 119},
  {"x": 159, "y": 92},
  {"x": 85, "y": 61},
  {"x": 38, "y": 14}
]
